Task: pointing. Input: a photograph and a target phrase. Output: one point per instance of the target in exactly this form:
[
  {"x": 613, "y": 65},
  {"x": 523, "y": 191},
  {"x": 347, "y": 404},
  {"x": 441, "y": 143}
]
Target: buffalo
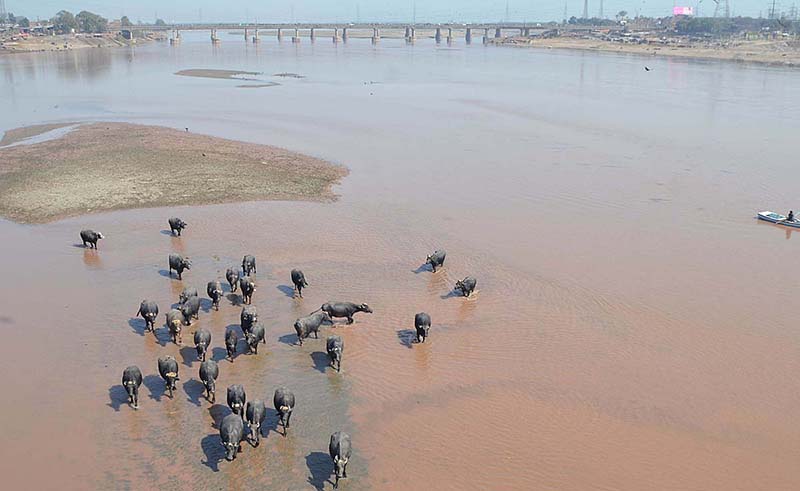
[
  {"x": 131, "y": 380},
  {"x": 237, "y": 399},
  {"x": 176, "y": 225},
  {"x": 191, "y": 308},
  {"x": 304, "y": 326},
  {"x": 186, "y": 294},
  {"x": 335, "y": 348},
  {"x": 254, "y": 336},
  {"x": 345, "y": 309},
  {"x": 231, "y": 340},
  {"x": 299, "y": 280},
  {"x": 248, "y": 317},
  {"x": 436, "y": 260},
  {"x": 249, "y": 265},
  {"x": 231, "y": 431},
  {"x": 284, "y": 405},
  {"x": 168, "y": 369},
  {"x": 248, "y": 287},
  {"x": 214, "y": 290},
  {"x": 179, "y": 264},
  {"x": 340, "y": 449},
  {"x": 467, "y": 285},
  {"x": 256, "y": 412},
  {"x": 209, "y": 371},
  {"x": 232, "y": 275},
  {"x": 149, "y": 311},
  {"x": 422, "y": 323},
  {"x": 202, "y": 340},
  {"x": 175, "y": 321},
  {"x": 91, "y": 237}
]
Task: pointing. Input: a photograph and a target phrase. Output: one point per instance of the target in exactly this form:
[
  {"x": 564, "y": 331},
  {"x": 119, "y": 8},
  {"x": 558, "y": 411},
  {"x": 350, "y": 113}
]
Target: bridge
[{"x": 341, "y": 31}]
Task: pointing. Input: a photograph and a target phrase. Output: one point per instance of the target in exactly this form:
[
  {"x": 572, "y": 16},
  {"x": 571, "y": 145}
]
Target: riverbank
[
  {"x": 32, "y": 44},
  {"x": 111, "y": 166},
  {"x": 770, "y": 52}
]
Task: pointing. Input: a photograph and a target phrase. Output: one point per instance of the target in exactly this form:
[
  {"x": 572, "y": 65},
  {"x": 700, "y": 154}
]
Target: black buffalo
[
  {"x": 131, "y": 380},
  {"x": 202, "y": 340},
  {"x": 304, "y": 326},
  {"x": 191, "y": 308},
  {"x": 248, "y": 287},
  {"x": 340, "y": 449},
  {"x": 91, "y": 237},
  {"x": 149, "y": 311},
  {"x": 345, "y": 309},
  {"x": 237, "y": 399},
  {"x": 176, "y": 225},
  {"x": 256, "y": 412},
  {"x": 284, "y": 405},
  {"x": 214, "y": 290},
  {"x": 422, "y": 323},
  {"x": 467, "y": 285},
  {"x": 187, "y": 293},
  {"x": 248, "y": 317},
  {"x": 232, "y": 275},
  {"x": 209, "y": 371},
  {"x": 299, "y": 280},
  {"x": 436, "y": 260},
  {"x": 168, "y": 369},
  {"x": 231, "y": 431},
  {"x": 175, "y": 322},
  {"x": 335, "y": 348},
  {"x": 254, "y": 336},
  {"x": 231, "y": 340},
  {"x": 249, "y": 265},
  {"x": 179, "y": 264}
]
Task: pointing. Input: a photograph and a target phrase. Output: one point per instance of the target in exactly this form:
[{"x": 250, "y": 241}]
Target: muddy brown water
[{"x": 633, "y": 324}]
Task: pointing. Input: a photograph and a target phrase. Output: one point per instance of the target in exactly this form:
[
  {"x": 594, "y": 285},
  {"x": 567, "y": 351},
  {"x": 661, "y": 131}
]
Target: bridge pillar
[
  {"x": 468, "y": 36},
  {"x": 408, "y": 32},
  {"x": 279, "y": 34},
  {"x": 255, "y": 36},
  {"x": 413, "y": 34},
  {"x": 486, "y": 36},
  {"x": 497, "y": 33},
  {"x": 336, "y": 35},
  {"x": 296, "y": 37},
  {"x": 312, "y": 34},
  {"x": 438, "y": 35},
  {"x": 449, "y": 35},
  {"x": 344, "y": 34},
  {"x": 245, "y": 35},
  {"x": 376, "y": 35},
  {"x": 214, "y": 38},
  {"x": 526, "y": 32}
]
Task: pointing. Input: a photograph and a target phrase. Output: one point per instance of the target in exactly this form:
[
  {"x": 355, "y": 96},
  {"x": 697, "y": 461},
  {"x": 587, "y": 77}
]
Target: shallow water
[{"x": 632, "y": 327}]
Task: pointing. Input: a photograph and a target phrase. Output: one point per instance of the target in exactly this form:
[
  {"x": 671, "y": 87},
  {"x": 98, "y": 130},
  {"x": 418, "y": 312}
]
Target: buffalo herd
[{"x": 246, "y": 417}]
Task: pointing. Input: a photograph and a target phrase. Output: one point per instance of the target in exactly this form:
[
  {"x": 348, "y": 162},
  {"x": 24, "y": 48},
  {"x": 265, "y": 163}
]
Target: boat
[{"x": 771, "y": 216}]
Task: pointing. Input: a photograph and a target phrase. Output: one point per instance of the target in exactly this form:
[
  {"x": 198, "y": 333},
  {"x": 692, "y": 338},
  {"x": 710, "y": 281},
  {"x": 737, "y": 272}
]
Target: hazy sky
[{"x": 369, "y": 10}]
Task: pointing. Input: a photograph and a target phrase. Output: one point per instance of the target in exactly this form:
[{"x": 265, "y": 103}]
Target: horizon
[{"x": 390, "y": 11}]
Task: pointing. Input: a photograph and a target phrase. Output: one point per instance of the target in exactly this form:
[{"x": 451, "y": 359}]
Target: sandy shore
[
  {"x": 109, "y": 166},
  {"x": 63, "y": 43},
  {"x": 212, "y": 73},
  {"x": 766, "y": 52}
]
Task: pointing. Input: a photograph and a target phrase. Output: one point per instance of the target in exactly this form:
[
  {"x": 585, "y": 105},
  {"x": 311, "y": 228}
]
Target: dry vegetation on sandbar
[{"x": 110, "y": 166}]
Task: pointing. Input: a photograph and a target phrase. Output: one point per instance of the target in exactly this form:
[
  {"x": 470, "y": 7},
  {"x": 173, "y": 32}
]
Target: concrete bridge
[{"x": 341, "y": 31}]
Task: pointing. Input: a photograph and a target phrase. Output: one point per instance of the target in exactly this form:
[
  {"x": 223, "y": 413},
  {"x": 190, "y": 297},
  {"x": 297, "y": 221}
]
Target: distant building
[{"x": 682, "y": 11}]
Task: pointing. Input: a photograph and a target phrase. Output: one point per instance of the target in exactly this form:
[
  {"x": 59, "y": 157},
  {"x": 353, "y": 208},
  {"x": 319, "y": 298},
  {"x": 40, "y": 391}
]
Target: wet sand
[
  {"x": 107, "y": 166},
  {"x": 18, "y": 134}
]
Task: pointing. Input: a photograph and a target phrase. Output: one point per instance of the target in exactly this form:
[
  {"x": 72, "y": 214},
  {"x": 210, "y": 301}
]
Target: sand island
[{"x": 110, "y": 166}]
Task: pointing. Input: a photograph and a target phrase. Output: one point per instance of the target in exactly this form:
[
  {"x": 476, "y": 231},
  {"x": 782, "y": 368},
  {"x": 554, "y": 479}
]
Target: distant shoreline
[
  {"x": 41, "y": 44},
  {"x": 114, "y": 166},
  {"x": 757, "y": 52}
]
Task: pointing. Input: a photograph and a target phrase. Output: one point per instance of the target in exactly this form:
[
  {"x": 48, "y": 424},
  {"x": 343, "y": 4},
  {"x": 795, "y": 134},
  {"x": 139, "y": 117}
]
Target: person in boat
[{"x": 790, "y": 216}]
